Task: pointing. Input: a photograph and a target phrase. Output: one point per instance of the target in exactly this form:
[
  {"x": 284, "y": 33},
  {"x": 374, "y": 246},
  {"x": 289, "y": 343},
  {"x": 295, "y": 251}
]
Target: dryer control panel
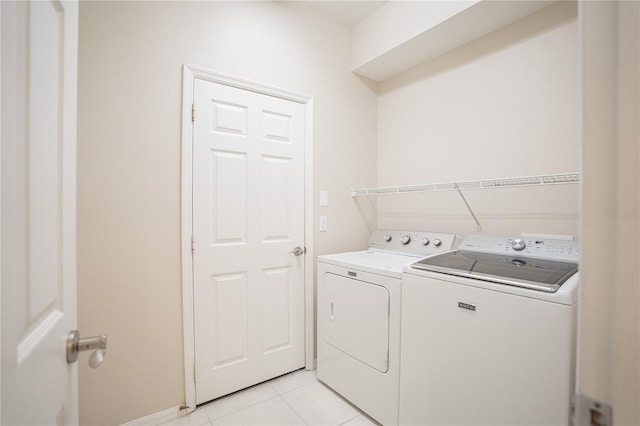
[{"x": 417, "y": 243}]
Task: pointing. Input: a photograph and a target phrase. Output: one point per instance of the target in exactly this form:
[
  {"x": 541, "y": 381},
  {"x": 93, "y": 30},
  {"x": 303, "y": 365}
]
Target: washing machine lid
[
  {"x": 375, "y": 262},
  {"x": 537, "y": 274}
]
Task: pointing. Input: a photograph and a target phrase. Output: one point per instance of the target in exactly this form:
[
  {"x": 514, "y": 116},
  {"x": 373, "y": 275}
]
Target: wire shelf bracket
[
  {"x": 556, "y": 179},
  {"x": 510, "y": 182}
]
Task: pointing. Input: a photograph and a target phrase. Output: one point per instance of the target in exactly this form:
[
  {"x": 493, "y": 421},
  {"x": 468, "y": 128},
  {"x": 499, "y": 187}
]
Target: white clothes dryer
[
  {"x": 489, "y": 333},
  {"x": 358, "y": 317}
]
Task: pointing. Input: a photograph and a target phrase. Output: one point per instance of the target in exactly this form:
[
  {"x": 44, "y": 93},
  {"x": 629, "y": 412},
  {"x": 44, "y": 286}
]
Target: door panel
[
  {"x": 227, "y": 118},
  {"x": 277, "y": 198},
  {"x": 229, "y": 319},
  {"x": 248, "y": 215},
  {"x": 229, "y": 220},
  {"x": 277, "y": 292},
  {"x": 39, "y": 59},
  {"x": 276, "y": 127}
]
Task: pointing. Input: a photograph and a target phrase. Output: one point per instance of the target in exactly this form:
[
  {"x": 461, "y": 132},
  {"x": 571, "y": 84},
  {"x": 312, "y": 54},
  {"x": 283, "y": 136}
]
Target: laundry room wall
[
  {"x": 504, "y": 105},
  {"x": 129, "y": 168}
]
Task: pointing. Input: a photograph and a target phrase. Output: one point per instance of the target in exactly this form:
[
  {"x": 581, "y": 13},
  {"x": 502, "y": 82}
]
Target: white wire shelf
[{"x": 555, "y": 179}]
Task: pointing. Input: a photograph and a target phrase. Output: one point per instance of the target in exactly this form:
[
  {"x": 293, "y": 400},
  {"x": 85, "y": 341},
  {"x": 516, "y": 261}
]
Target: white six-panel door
[
  {"x": 248, "y": 217},
  {"x": 39, "y": 62}
]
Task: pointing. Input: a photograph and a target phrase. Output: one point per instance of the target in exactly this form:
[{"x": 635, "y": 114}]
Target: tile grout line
[
  {"x": 277, "y": 395},
  {"x": 358, "y": 412},
  {"x": 297, "y": 387},
  {"x": 352, "y": 418},
  {"x": 243, "y": 408},
  {"x": 294, "y": 410},
  {"x": 206, "y": 414}
]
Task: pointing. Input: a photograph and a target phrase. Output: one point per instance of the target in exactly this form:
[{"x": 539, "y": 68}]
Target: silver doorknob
[
  {"x": 297, "y": 251},
  {"x": 97, "y": 343}
]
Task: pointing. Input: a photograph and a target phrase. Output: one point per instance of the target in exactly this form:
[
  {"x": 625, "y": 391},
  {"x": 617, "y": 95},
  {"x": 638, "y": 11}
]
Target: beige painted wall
[
  {"x": 507, "y": 104},
  {"x": 503, "y": 105},
  {"x": 130, "y": 81},
  {"x": 609, "y": 331}
]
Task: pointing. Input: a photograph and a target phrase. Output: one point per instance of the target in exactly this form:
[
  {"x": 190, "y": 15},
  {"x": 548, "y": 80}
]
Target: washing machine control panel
[
  {"x": 419, "y": 243},
  {"x": 529, "y": 245}
]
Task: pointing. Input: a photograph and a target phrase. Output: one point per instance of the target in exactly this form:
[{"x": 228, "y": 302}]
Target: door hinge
[
  {"x": 193, "y": 113},
  {"x": 193, "y": 245},
  {"x": 194, "y": 373}
]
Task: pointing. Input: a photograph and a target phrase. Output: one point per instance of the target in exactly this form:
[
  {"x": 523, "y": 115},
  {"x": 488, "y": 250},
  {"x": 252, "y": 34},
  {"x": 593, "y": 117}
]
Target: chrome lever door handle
[
  {"x": 97, "y": 343},
  {"x": 298, "y": 251}
]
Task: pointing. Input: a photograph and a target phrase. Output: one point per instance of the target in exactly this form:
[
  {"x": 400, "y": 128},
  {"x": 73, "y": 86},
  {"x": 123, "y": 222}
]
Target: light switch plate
[
  {"x": 324, "y": 198},
  {"x": 323, "y": 223}
]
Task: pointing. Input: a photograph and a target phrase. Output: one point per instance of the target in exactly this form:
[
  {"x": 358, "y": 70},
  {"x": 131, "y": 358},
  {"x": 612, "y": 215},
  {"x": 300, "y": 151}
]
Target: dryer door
[{"x": 356, "y": 319}]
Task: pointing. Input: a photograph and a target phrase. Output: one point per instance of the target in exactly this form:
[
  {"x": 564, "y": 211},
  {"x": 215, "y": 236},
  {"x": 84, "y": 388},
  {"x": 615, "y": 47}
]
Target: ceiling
[{"x": 351, "y": 13}]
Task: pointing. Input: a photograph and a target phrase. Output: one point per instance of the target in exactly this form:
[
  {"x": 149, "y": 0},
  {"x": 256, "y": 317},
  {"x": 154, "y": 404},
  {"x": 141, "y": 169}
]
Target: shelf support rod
[{"x": 478, "y": 227}]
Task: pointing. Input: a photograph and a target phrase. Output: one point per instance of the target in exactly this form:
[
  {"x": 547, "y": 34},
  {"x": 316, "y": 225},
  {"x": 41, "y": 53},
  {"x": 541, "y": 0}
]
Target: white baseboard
[{"x": 158, "y": 418}]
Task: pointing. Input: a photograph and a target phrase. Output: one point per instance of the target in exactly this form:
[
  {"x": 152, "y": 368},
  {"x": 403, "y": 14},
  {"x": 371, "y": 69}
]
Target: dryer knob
[
  {"x": 518, "y": 244},
  {"x": 387, "y": 238},
  {"x": 405, "y": 239},
  {"x": 425, "y": 241},
  {"x": 437, "y": 242}
]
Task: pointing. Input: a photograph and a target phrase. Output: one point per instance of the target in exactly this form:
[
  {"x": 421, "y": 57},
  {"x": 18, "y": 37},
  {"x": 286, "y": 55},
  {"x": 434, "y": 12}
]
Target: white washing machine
[
  {"x": 489, "y": 333},
  {"x": 359, "y": 300}
]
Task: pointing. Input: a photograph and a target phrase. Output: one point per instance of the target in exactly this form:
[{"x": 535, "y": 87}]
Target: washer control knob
[
  {"x": 405, "y": 239},
  {"x": 425, "y": 241},
  {"x": 387, "y": 238},
  {"x": 437, "y": 242},
  {"x": 518, "y": 244}
]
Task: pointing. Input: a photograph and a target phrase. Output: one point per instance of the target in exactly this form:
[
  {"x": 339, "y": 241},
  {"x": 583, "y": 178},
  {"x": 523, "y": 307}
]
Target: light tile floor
[{"x": 297, "y": 398}]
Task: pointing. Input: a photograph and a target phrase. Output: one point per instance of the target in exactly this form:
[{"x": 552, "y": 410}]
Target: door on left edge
[{"x": 38, "y": 168}]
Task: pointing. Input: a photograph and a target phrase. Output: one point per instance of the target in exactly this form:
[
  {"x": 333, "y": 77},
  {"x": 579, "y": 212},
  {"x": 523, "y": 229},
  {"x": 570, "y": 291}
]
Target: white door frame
[{"x": 190, "y": 74}]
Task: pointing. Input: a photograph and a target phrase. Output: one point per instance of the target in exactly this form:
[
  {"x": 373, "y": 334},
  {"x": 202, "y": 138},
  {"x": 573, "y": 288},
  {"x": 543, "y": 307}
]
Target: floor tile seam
[
  {"x": 205, "y": 413},
  {"x": 242, "y": 409},
  {"x": 270, "y": 385},
  {"x": 289, "y": 375},
  {"x": 352, "y": 418},
  {"x": 359, "y": 411},
  {"x": 298, "y": 387},
  {"x": 192, "y": 414},
  {"x": 302, "y": 422},
  {"x": 294, "y": 410},
  {"x": 331, "y": 391}
]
